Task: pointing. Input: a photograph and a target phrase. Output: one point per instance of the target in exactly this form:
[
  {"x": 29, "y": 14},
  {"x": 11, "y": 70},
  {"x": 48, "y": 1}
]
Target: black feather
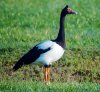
[{"x": 30, "y": 57}]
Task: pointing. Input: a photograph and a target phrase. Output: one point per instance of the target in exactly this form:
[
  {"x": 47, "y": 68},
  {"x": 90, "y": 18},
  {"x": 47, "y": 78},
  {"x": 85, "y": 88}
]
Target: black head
[{"x": 66, "y": 10}]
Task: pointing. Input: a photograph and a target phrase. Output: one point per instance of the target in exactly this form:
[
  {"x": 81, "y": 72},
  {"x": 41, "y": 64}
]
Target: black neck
[{"x": 61, "y": 35}]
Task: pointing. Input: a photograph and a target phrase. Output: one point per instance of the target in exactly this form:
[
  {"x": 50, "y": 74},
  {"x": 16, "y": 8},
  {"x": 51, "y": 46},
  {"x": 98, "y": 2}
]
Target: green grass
[
  {"x": 24, "y": 86},
  {"x": 24, "y": 23}
]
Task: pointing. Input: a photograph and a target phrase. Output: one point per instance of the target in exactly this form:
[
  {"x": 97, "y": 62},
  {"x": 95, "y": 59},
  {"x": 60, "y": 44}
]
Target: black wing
[{"x": 30, "y": 57}]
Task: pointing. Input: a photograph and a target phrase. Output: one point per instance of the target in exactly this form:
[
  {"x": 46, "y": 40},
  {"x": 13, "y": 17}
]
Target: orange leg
[{"x": 47, "y": 75}]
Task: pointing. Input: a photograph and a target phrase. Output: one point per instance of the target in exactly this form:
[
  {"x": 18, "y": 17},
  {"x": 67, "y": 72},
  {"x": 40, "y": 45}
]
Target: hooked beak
[{"x": 73, "y": 12}]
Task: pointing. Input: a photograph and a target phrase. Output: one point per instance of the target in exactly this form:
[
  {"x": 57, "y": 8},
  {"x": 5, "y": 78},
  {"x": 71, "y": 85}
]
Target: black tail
[{"x": 18, "y": 65}]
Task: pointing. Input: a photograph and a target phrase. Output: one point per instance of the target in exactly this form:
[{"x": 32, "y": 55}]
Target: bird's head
[{"x": 66, "y": 10}]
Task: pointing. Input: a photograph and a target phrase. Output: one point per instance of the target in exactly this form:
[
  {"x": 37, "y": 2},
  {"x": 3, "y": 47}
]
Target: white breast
[{"x": 52, "y": 55}]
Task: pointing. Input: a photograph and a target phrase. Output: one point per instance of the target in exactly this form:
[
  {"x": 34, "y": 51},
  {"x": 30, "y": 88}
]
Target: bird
[{"x": 48, "y": 51}]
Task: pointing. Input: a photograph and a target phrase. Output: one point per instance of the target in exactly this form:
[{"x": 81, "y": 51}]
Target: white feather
[
  {"x": 45, "y": 45},
  {"x": 52, "y": 55}
]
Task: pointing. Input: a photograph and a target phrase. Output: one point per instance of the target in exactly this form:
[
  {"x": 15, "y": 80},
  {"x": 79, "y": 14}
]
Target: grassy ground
[
  {"x": 30, "y": 86},
  {"x": 24, "y": 23}
]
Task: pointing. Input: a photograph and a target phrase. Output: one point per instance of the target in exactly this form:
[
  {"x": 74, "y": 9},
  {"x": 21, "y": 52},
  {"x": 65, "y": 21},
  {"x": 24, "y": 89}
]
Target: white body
[{"x": 54, "y": 54}]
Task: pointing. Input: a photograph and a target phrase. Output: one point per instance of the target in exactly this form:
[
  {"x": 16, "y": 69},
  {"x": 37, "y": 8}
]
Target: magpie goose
[{"x": 49, "y": 51}]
